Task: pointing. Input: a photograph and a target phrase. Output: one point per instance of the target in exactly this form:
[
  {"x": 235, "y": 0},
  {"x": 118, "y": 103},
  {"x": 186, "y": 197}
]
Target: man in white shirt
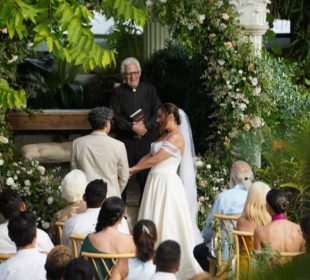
[
  {"x": 167, "y": 260},
  {"x": 11, "y": 202},
  {"x": 228, "y": 202},
  {"x": 85, "y": 223},
  {"x": 28, "y": 263}
]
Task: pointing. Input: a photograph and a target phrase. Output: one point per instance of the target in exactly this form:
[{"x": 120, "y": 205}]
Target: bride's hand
[{"x": 132, "y": 171}]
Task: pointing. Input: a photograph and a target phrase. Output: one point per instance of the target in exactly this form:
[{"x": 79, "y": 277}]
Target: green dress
[{"x": 89, "y": 248}]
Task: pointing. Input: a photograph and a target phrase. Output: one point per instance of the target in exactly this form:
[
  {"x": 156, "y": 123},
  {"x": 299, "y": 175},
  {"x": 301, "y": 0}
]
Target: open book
[{"x": 137, "y": 116}]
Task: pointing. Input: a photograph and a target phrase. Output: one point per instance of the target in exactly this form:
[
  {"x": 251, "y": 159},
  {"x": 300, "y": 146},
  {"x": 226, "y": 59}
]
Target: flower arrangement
[
  {"x": 212, "y": 177},
  {"x": 39, "y": 187}
]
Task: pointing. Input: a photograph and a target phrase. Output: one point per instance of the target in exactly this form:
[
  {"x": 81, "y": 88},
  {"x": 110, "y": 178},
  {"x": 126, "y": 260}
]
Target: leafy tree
[{"x": 65, "y": 26}]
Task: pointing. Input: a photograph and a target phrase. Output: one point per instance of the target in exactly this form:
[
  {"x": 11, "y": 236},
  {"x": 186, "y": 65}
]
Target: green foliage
[
  {"x": 10, "y": 98},
  {"x": 38, "y": 187},
  {"x": 64, "y": 26},
  {"x": 287, "y": 166}
]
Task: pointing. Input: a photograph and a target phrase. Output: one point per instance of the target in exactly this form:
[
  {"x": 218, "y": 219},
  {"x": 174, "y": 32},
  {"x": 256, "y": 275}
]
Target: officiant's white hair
[
  {"x": 241, "y": 174},
  {"x": 73, "y": 186},
  {"x": 129, "y": 60}
]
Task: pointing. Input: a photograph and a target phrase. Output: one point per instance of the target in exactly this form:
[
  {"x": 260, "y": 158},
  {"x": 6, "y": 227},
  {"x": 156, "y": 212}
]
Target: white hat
[{"x": 73, "y": 186}]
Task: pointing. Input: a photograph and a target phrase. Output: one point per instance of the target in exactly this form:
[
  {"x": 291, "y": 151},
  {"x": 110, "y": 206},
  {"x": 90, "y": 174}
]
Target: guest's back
[{"x": 282, "y": 235}]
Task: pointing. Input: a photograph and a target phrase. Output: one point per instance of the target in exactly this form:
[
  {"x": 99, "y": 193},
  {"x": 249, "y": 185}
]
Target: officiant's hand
[{"x": 139, "y": 128}]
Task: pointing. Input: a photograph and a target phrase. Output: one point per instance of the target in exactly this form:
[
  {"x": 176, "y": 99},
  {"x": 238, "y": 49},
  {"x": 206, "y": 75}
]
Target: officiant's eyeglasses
[{"x": 132, "y": 74}]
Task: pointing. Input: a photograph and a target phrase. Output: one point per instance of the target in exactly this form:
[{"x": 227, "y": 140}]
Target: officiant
[{"x": 134, "y": 104}]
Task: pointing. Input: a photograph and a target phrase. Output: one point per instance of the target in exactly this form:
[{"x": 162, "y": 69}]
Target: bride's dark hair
[{"x": 170, "y": 108}]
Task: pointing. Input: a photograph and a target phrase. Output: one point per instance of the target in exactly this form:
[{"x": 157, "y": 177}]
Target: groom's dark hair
[{"x": 167, "y": 257}]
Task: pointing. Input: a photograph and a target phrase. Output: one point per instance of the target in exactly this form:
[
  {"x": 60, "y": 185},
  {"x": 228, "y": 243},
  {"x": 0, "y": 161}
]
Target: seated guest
[
  {"x": 10, "y": 203},
  {"x": 79, "y": 269},
  {"x": 72, "y": 189},
  {"x": 228, "y": 202},
  {"x": 141, "y": 267},
  {"x": 28, "y": 263},
  {"x": 255, "y": 212},
  {"x": 56, "y": 261},
  {"x": 84, "y": 223},
  {"x": 281, "y": 234},
  {"x": 167, "y": 260},
  {"x": 107, "y": 238}
]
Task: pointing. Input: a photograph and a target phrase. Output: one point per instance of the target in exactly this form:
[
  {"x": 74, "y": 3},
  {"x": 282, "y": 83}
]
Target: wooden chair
[
  {"x": 222, "y": 223},
  {"x": 4, "y": 257},
  {"x": 60, "y": 226},
  {"x": 103, "y": 263},
  {"x": 244, "y": 245},
  {"x": 77, "y": 240}
]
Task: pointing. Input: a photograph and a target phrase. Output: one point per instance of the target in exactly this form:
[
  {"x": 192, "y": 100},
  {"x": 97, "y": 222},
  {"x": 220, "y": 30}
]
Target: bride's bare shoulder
[{"x": 176, "y": 139}]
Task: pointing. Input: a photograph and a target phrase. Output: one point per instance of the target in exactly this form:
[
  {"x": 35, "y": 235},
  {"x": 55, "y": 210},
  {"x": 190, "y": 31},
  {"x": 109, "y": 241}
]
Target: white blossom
[
  {"x": 4, "y": 139},
  {"x": 45, "y": 225},
  {"x": 163, "y": 1},
  {"x": 15, "y": 177},
  {"x": 242, "y": 106},
  {"x": 10, "y": 181},
  {"x": 201, "y": 18},
  {"x": 1, "y": 162},
  {"x": 199, "y": 163},
  {"x": 13, "y": 59},
  {"x": 50, "y": 200},
  {"x": 254, "y": 82},
  {"x": 221, "y": 62},
  {"x": 27, "y": 183},
  {"x": 257, "y": 91},
  {"x": 208, "y": 166},
  {"x": 41, "y": 169},
  {"x": 256, "y": 122},
  {"x": 30, "y": 172}
]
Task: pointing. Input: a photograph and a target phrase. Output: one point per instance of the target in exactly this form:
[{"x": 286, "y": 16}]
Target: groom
[{"x": 136, "y": 133}]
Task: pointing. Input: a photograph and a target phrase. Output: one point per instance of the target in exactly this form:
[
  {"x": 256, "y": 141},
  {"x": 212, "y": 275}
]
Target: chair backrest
[
  {"x": 77, "y": 240},
  {"x": 103, "y": 263},
  {"x": 222, "y": 224},
  {"x": 244, "y": 245},
  {"x": 4, "y": 257},
  {"x": 60, "y": 226},
  {"x": 278, "y": 258}
]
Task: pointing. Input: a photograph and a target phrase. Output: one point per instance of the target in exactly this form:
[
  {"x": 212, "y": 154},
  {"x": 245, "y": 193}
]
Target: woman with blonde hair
[{"x": 255, "y": 212}]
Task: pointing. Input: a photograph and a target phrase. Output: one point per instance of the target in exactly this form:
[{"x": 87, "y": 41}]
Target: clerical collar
[
  {"x": 134, "y": 89},
  {"x": 280, "y": 216}
]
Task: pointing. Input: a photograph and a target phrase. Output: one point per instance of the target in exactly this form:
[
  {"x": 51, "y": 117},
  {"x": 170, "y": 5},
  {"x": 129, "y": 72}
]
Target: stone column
[
  {"x": 252, "y": 20},
  {"x": 155, "y": 35}
]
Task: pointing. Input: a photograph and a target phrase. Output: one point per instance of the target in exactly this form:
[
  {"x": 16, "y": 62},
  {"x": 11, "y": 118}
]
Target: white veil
[{"x": 187, "y": 171}]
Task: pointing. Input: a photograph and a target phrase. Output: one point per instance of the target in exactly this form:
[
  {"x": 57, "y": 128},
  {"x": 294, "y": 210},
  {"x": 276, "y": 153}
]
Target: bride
[{"x": 164, "y": 200}]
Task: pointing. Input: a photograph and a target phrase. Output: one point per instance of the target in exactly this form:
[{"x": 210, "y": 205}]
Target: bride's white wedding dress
[{"x": 165, "y": 203}]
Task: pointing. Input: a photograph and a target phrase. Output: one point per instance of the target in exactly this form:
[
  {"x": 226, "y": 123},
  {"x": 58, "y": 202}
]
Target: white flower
[
  {"x": 254, "y": 82},
  {"x": 4, "y": 139},
  {"x": 17, "y": 172},
  {"x": 29, "y": 172},
  {"x": 163, "y": 1},
  {"x": 242, "y": 106},
  {"x": 1, "y": 162},
  {"x": 256, "y": 122},
  {"x": 201, "y": 18},
  {"x": 4, "y": 30},
  {"x": 208, "y": 166},
  {"x": 15, "y": 177},
  {"x": 10, "y": 181},
  {"x": 27, "y": 183},
  {"x": 41, "y": 169},
  {"x": 149, "y": 3},
  {"x": 240, "y": 72},
  {"x": 225, "y": 16},
  {"x": 45, "y": 225},
  {"x": 50, "y": 200},
  {"x": 221, "y": 62},
  {"x": 199, "y": 163},
  {"x": 190, "y": 26},
  {"x": 30, "y": 44},
  {"x": 257, "y": 91},
  {"x": 15, "y": 164},
  {"x": 13, "y": 59}
]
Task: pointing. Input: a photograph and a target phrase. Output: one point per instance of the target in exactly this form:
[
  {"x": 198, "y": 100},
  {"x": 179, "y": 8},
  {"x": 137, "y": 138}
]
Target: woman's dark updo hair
[
  {"x": 145, "y": 236},
  {"x": 170, "y": 108},
  {"x": 112, "y": 209},
  {"x": 277, "y": 200}
]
